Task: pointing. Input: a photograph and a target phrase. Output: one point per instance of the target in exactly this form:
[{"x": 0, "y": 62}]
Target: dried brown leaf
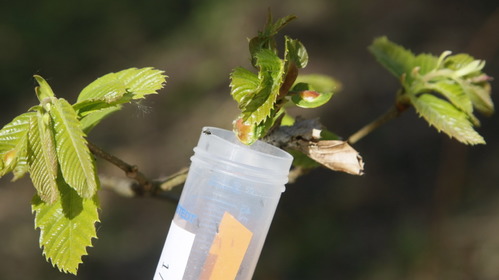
[{"x": 334, "y": 154}]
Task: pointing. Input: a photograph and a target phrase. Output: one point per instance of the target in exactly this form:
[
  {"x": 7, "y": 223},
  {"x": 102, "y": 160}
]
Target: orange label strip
[{"x": 227, "y": 250}]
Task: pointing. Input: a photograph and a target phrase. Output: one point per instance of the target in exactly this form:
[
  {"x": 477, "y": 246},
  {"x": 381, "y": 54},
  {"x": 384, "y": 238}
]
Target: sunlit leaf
[
  {"x": 320, "y": 83},
  {"x": 13, "y": 145},
  {"x": 105, "y": 95},
  {"x": 43, "y": 91},
  {"x": 67, "y": 227},
  {"x": 244, "y": 85},
  {"x": 480, "y": 97},
  {"x": 112, "y": 86},
  {"x": 76, "y": 163},
  {"x": 457, "y": 61},
  {"x": 143, "y": 81},
  {"x": 91, "y": 120},
  {"x": 245, "y": 131},
  {"x": 89, "y": 106},
  {"x": 392, "y": 56},
  {"x": 471, "y": 68},
  {"x": 42, "y": 158},
  {"x": 306, "y": 96},
  {"x": 248, "y": 132},
  {"x": 476, "y": 84},
  {"x": 295, "y": 52},
  {"x": 444, "y": 90},
  {"x": 261, "y": 129},
  {"x": 92, "y": 111},
  {"x": 447, "y": 118},
  {"x": 265, "y": 38},
  {"x": 311, "y": 91},
  {"x": 454, "y": 93},
  {"x": 424, "y": 63},
  {"x": 270, "y": 75},
  {"x": 273, "y": 28},
  {"x": 21, "y": 168},
  {"x": 107, "y": 88}
]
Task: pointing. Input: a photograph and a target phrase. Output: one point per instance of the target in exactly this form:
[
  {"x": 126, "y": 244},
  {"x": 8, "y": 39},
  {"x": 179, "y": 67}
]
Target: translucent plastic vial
[{"x": 225, "y": 210}]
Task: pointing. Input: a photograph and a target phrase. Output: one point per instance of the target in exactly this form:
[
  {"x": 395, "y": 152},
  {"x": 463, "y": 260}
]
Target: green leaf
[
  {"x": 248, "y": 132},
  {"x": 107, "y": 88},
  {"x": 270, "y": 75},
  {"x": 245, "y": 131},
  {"x": 92, "y": 111},
  {"x": 265, "y": 39},
  {"x": 244, "y": 84},
  {"x": 67, "y": 227},
  {"x": 471, "y": 69},
  {"x": 91, "y": 120},
  {"x": 425, "y": 63},
  {"x": 475, "y": 84},
  {"x": 86, "y": 107},
  {"x": 311, "y": 91},
  {"x": 76, "y": 163},
  {"x": 456, "y": 78},
  {"x": 295, "y": 52},
  {"x": 42, "y": 158},
  {"x": 43, "y": 91},
  {"x": 319, "y": 82},
  {"x": 480, "y": 97},
  {"x": 453, "y": 92},
  {"x": 105, "y": 95},
  {"x": 113, "y": 86},
  {"x": 393, "y": 57},
  {"x": 273, "y": 28},
  {"x": 306, "y": 97},
  {"x": 447, "y": 118},
  {"x": 13, "y": 145},
  {"x": 457, "y": 61},
  {"x": 21, "y": 168}
]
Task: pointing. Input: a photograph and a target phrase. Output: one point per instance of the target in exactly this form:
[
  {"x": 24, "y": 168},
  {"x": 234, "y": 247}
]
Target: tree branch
[
  {"x": 131, "y": 171},
  {"x": 303, "y": 136},
  {"x": 128, "y": 188},
  {"x": 392, "y": 113},
  {"x": 140, "y": 185}
]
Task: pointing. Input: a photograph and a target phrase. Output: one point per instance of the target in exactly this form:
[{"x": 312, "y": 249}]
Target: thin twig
[
  {"x": 140, "y": 185},
  {"x": 144, "y": 185},
  {"x": 128, "y": 188},
  {"x": 394, "y": 112},
  {"x": 302, "y": 136},
  {"x": 170, "y": 182}
]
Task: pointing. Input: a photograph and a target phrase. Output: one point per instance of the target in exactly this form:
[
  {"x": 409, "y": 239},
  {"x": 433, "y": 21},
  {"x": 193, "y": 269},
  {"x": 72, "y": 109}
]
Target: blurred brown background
[{"x": 427, "y": 207}]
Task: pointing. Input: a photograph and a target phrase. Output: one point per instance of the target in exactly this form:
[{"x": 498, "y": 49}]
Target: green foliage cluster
[
  {"x": 262, "y": 97},
  {"x": 444, "y": 90},
  {"x": 49, "y": 142}
]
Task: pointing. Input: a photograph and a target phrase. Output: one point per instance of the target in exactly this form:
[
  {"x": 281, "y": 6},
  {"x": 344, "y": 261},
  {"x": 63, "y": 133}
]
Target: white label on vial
[{"x": 175, "y": 254}]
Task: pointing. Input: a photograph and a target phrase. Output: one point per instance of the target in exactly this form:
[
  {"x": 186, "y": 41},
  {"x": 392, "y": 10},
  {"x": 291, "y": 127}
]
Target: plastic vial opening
[{"x": 259, "y": 161}]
